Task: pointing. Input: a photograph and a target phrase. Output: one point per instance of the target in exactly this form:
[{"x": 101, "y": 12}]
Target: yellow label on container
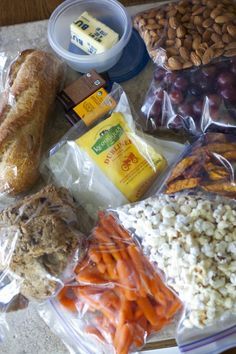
[
  {"x": 95, "y": 106},
  {"x": 129, "y": 162}
]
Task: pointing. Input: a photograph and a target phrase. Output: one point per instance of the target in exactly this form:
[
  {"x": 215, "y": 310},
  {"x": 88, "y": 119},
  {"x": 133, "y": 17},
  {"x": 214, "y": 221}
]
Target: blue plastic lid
[{"x": 133, "y": 60}]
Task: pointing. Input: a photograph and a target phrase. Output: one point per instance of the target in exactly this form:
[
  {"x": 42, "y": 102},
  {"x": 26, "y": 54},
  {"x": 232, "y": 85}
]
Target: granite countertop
[{"x": 27, "y": 332}]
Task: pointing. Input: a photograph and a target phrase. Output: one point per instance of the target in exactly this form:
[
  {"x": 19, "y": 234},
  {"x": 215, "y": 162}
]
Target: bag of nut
[
  {"x": 189, "y": 33},
  {"x": 196, "y": 100}
]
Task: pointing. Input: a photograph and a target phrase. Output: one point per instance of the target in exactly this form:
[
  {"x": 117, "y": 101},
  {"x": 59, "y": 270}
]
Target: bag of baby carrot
[{"x": 116, "y": 300}]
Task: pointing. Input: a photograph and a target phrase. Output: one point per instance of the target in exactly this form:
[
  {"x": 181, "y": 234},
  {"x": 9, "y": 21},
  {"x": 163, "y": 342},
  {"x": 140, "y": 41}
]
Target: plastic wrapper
[
  {"x": 186, "y": 33},
  {"x": 40, "y": 246},
  {"x": 195, "y": 101},
  {"x": 117, "y": 300},
  {"x": 207, "y": 165},
  {"x": 111, "y": 162},
  {"x": 191, "y": 238},
  {"x": 28, "y": 87}
]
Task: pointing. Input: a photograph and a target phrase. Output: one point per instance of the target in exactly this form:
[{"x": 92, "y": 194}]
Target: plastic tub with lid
[{"x": 110, "y": 12}]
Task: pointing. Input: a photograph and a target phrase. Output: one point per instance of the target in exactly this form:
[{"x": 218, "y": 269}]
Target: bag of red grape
[{"x": 196, "y": 100}]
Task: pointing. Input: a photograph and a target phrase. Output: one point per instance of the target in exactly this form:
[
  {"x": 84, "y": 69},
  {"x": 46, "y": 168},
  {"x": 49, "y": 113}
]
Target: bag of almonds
[
  {"x": 197, "y": 100},
  {"x": 189, "y": 33}
]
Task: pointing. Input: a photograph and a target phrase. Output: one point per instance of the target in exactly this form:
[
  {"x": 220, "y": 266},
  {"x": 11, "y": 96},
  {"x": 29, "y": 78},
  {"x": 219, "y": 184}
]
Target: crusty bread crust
[{"x": 33, "y": 81}]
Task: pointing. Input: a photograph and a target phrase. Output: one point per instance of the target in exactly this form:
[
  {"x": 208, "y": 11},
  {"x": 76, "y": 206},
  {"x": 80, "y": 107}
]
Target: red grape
[
  {"x": 214, "y": 100},
  {"x": 159, "y": 74},
  {"x": 209, "y": 71},
  {"x": 225, "y": 79},
  {"x": 159, "y": 95},
  {"x": 185, "y": 109},
  {"x": 229, "y": 94},
  {"x": 195, "y": 90},
  {"x": 198, "y": 107},
  {"x": 170, "y": 78},
  {"x": 176, "y": 97},
  {"x": 181, "y": 83}
]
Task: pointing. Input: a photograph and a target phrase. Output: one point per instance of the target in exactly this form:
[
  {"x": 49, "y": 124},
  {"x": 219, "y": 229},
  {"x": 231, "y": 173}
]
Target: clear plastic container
[{"x": 110, "y": 12}]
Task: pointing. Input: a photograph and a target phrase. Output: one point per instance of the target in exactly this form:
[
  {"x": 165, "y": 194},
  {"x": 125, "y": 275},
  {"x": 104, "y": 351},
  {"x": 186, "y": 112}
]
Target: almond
[
  {"x": 200, "y": 52},
  {"x": 188, "y": 43},
  {"x": 169, "y": 42},
  {"x": 197, "y": 20},
  {"x": 206, "y": 14},
  {"x": 163, "y": 22},
  {"x": 196, "y": 60},
  {"x": 152, "y": 27},
  {"x": 231, "y": 30},
  {"x": 185, "y": 18},
  {"x": 181, "y": 9},
  {"x": 231, "y": 45},
  {"x": 218, "y": 45},
  {"x": 210, "y": 4},
  {"x": 226, "y": 38},
  {"x": 218, "y": 52},
  {"x": 214, "y": 13},
  {"x": 198, "y": 11},
  {"x": 171, "y": 33},
  {"x": 172, "y": 51},
  {"x": 184, "y": 53},
  {"x": 174, "y": 63},
  {"x": 181, "y": 31},
  {"x": 207, "y": 23},
  {"x": 187, "y": 64},
  {"x": 206, "y": 35},
  {"x": 230, "y": 53},
  {"x": 196, "y": 42},
  {"x": 215, "y": 37},
  {"x": 222, "y": 19},
  {"x": 200, "y": 29},
  {"x": 171, "y": 13},
  {"x": 217, "y": 28},
  {"x": 173, "y": 22},
  {"x": 178, "y": 43},
  {"x": 208, "y": 56}
]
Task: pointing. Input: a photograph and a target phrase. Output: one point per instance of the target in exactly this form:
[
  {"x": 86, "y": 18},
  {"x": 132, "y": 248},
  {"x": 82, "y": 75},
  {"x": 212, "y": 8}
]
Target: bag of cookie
[
  {"x": 188, "y": 33},
  {"x": 40, "y": 244}
]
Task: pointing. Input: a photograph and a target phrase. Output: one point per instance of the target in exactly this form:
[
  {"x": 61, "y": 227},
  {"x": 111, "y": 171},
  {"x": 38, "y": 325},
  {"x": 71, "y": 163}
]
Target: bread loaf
[{"x": 33, "y": 81}]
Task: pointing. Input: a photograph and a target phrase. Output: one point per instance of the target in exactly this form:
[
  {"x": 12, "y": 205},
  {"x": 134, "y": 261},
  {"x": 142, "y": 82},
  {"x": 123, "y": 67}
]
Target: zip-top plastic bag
[
  {"x": 206, "y": 165},
  {"x": 117, "y": 299},
  {"x": 191, "y": 238},
  {"x": 109, "y": 162},
  {"x": 188, "y": 33},
  {"x": 196, "y": 100},
  {"x": 40, "y": 245}
]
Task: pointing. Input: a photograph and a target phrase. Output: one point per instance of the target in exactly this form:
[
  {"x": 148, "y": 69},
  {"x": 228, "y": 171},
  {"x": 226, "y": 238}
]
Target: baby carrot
[
  {"x": 124, "y": 275},
  {"x": 136, "y": 259},
  {"x": 175, "y": 306},
  {"x": 110, "y": 265},
  {"x": 125, "y": 339},
  {"x": 90, "y": 277},
  {"x": 147, "y": 309}
]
